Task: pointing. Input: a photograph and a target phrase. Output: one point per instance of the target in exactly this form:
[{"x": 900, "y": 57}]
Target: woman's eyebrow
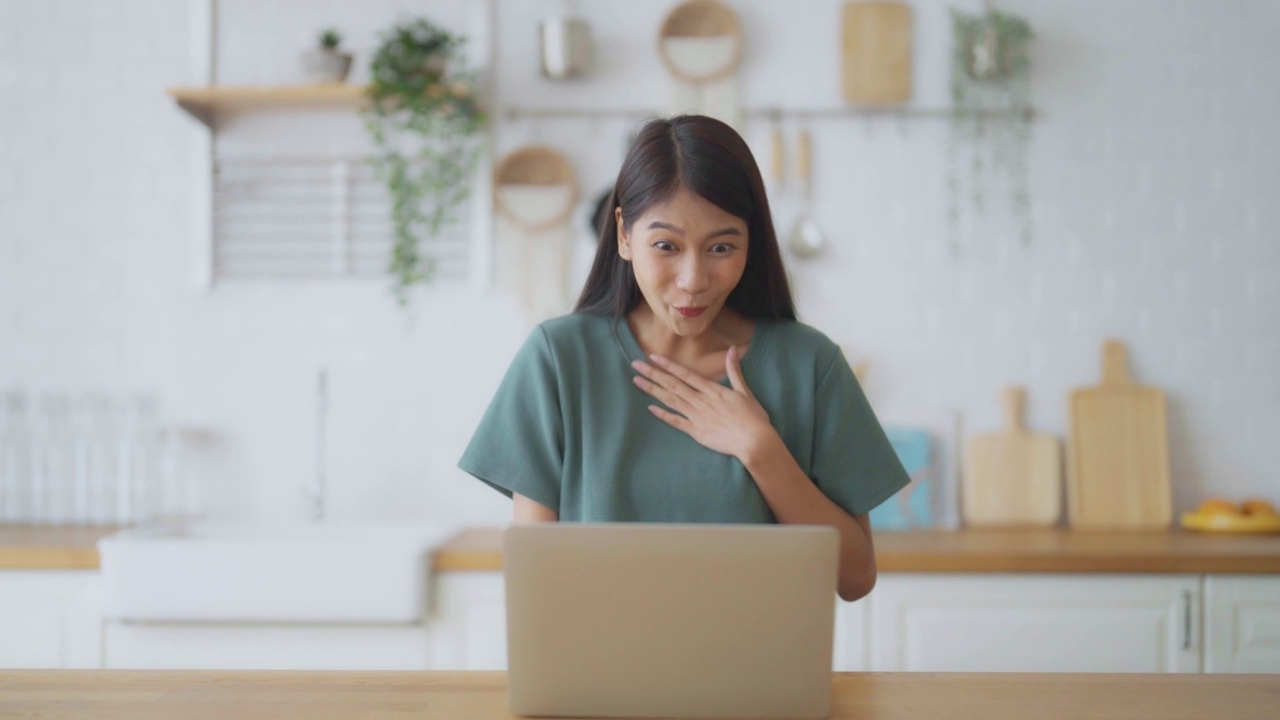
[{"x": 659, "y": 225}]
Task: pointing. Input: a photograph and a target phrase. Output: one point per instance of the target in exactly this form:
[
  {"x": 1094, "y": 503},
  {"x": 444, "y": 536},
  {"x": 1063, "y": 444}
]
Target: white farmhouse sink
[{"x": 219, "y": 572}]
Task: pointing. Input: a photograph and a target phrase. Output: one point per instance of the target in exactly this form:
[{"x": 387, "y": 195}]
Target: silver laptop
[{"x": 670, "y": 620}]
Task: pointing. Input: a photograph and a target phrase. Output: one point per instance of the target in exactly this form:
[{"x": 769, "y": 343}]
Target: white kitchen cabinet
[
  {"x": 851, "y": 651},
  {"x": 1242, "y": 624},
  {"x": 213, "y": 646},
  {"x": 960, "y": 622},
  {"x": 1035, "y": 623},
  {"x": 468, "y": 626},
  {"x": 50, "y": 619}
]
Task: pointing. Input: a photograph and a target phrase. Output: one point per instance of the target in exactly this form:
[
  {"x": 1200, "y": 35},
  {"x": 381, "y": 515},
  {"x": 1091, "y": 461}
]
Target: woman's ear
[{"x": 624, "y": 243}]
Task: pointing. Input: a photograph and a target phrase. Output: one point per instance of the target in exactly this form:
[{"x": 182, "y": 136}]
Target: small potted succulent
[{"x": 326, "y": 64}]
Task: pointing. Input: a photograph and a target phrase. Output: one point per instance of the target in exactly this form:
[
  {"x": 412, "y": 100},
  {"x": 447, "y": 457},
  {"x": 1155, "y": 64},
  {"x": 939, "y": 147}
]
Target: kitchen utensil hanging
[
  {"x": 777, "y": 160},
  {"x": 806, "y": 239},
  {"x": 565, "y": 47},
  {"x": 701, "y": 43},
  {"x": 535, "y": 193}
]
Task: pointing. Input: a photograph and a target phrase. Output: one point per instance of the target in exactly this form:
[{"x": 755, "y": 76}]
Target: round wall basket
[
  {"x": 535, "y": 188},
  {"x": 700, "y": 41}
]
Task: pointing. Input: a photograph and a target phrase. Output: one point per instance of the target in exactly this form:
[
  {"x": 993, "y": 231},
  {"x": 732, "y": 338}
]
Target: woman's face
[{"x": 688, "y": 255}]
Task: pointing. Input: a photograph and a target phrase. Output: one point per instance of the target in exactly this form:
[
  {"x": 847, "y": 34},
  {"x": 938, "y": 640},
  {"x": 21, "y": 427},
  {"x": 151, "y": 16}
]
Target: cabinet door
[
  {"x": 1242, "y": 624},
  {"x": 851, "y": 636},
  {"x": 1035, "y": 623},
  {"x": 468, "y": 626},
  {"x": 50, "y": 619}
]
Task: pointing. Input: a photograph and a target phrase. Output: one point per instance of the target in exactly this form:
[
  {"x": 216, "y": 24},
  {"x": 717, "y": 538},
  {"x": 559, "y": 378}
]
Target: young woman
[{"x": 682, "y": 388}]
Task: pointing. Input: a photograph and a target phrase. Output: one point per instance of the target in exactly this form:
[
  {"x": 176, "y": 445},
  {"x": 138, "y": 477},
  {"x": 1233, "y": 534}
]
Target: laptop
[{"x": 670, "y": 620}]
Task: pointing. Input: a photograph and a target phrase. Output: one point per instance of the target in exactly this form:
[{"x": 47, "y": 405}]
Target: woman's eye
[
  {"x": 665, "y": 245},
  {"x": 721, "y": 249}
]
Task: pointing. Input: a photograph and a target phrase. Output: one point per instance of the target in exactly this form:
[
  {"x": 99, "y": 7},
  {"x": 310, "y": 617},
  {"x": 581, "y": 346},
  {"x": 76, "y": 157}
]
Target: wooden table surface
[
  {"x": 1048, "y": 550},
  {"x": 199, "y": 695},
  {"x": 1051, "y": 550}
]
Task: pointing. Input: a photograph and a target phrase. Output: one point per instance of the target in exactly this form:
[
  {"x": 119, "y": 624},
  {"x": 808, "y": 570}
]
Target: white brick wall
[{"x": 1155, "y": 168}]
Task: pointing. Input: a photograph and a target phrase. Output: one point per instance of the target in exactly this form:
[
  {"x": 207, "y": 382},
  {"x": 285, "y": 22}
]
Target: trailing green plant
[
  {"x": 424, "y": 121},
  {"x": 330, "y": 39},
  {"x": 991, "y": 113}
]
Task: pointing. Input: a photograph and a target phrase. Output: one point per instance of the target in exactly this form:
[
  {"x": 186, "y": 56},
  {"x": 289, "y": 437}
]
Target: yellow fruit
[
  {"x": 1217, "y": 506},
  {"x": 1258, "y": 506}
]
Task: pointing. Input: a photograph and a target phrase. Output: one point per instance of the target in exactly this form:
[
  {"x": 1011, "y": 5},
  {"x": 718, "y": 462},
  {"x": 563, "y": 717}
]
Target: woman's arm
[
  {"x": 795, "y": 499},
  {"x": 531, "y": 511}
]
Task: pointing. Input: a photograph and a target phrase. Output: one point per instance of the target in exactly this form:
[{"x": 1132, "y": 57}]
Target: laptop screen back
[{"x": 668, "y": 620}]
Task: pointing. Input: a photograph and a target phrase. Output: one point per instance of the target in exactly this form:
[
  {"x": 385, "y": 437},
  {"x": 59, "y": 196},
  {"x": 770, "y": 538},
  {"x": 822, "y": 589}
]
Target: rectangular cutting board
[
  {"x": 875, "y": 48},
  {"x": 1012, "y": 477},
  {"x": 1118, "y": 452}
]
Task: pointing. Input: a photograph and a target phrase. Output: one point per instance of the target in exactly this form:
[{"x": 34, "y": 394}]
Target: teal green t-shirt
[{"x": 569, "y": 429}]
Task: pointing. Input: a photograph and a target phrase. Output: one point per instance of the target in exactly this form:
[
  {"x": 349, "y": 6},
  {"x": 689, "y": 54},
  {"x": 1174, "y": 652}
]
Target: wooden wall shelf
[{"x": 204, "y": 103}]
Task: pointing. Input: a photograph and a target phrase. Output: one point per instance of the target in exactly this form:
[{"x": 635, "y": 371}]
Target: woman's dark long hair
[{"x": 711, "y": 160}]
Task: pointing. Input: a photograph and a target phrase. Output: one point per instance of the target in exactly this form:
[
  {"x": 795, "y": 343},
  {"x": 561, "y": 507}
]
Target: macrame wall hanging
[
  {"x": 535, "y": 193},
  {"x": 701, "y": 46}
]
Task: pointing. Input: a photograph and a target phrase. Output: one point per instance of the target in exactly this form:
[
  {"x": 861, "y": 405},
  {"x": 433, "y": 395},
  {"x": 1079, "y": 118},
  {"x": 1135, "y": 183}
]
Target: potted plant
[
  {"x": 326, "y": 64},
  {"x": 993, "y": 45},
  {"x": 991, "y": 106},
  {"x": 424, "y": 119}
]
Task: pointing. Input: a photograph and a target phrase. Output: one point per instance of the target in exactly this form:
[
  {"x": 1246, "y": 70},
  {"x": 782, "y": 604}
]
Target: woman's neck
[{"x": 654, "y": 336}]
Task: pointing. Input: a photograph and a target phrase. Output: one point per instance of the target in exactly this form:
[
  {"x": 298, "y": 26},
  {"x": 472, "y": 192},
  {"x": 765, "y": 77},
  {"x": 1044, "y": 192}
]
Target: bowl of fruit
[{"x": 1254, "y": 515}]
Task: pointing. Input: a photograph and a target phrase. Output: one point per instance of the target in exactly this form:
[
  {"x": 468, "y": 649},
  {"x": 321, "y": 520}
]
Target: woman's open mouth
[{"x": 691, "y": 311}]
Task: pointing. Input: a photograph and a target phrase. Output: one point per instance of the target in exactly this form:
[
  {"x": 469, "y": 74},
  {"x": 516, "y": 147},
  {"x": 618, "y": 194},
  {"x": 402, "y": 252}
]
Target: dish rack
[{"x": 313, "y": 218}]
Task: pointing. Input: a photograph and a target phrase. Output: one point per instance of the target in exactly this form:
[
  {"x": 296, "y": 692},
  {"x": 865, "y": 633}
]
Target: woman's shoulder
[
  {"x": 575, "y": 326},
  {"x": 800, "y": 352},
  {"x": 575, "y": 334}
]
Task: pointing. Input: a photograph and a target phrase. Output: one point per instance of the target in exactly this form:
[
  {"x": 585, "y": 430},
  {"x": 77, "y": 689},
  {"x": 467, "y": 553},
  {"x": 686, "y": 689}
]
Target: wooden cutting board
[
  {"x": 876, "y": 53},
  {"x": 1012, "y": 477},
  {"x": 1118, "y": 452}
]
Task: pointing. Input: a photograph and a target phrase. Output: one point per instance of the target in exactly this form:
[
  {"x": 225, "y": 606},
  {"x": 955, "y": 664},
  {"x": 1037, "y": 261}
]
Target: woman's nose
[
  {"x": 693, "y": 277},
  {"x": 693, "y": 274}
]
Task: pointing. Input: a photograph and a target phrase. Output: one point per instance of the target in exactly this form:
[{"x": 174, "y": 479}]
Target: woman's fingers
[
  {"x": 733, "y": 368},
  {"x": 667, "y": 380},
  {"x": 671, "y": 419},
  {"x": 684, "y": 374},
  {"x": 664, "y": 388}
]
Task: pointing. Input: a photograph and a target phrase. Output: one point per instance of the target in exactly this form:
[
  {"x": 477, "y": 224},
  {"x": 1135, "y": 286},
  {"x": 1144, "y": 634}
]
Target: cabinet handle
[{"x": 1186, "y": 619}]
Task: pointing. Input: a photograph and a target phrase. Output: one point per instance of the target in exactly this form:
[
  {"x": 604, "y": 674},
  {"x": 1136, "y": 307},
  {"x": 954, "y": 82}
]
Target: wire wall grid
[{"x": 313, "y": 219}]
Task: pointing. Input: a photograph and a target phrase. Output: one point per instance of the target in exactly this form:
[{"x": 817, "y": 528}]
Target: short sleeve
[
  {"x": 519, "y": 444},
  {"x": 854, "y": 463}
]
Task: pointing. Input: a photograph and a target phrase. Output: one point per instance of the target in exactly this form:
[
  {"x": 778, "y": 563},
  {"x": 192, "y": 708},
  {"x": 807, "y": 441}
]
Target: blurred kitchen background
[
  {"x": 1151, "y": 170},
  {"x": 1122, "y": 187}
]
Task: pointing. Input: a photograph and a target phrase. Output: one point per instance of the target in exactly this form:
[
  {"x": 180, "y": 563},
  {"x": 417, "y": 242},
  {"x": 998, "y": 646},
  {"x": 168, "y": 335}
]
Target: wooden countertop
[
  {"x": 50, "y": 547},
  {"x": 194, "y": 695},
  {"x": 975, "y": 551},
  {"x": 1055, "y": 550}
]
